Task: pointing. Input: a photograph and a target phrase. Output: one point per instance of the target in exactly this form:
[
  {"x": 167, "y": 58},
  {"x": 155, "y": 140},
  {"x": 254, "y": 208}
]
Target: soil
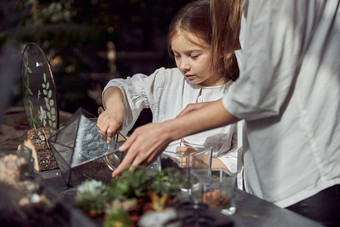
[
  {"x": 97, "y": 170},
  {"x": 216, "y": 199}
]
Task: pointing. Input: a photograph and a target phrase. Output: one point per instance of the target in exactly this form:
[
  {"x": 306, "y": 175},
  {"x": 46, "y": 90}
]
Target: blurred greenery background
[{"x": 89, "y": 42}]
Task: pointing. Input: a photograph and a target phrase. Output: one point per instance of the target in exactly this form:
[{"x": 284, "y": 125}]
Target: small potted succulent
[{"x": 91, "y": 197}]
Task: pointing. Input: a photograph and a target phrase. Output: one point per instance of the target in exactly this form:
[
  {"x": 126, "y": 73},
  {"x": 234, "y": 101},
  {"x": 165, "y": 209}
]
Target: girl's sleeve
[
  {"x": 272, "y": 40},
  {"x": 230, "y": 158},
  {"x": 138, "y": 93}
]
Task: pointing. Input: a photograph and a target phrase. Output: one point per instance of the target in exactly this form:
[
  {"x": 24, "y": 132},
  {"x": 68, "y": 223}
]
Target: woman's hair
[
  {"x": 195, "y": 19},
  {"x": 225, "y": 16}
]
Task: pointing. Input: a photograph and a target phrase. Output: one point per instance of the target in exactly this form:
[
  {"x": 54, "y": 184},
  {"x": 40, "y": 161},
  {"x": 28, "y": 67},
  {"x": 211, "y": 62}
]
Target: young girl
[{"x": 168, "y": 91}]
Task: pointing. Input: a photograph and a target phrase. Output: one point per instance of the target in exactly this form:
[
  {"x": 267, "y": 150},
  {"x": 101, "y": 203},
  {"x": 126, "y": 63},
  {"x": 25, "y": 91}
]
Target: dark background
[{"x": 77, "y": 37}]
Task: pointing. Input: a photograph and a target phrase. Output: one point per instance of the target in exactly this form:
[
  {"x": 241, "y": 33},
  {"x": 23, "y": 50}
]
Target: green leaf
[
  {"x": 43, "y": 85},
  {"x": 30, "y": 102},
  {"x": 54, "y": 125},
  {"x": 29, "y": 91},
  {"x": 48, "y": 107},
  {"x": 49, "y": 115},
  {"x": 31, "y": 112},
  {"x": 44, "y": 77},
  {"x": 52, "y": 110},
  {"x": 48, "y": 85},
  {"x": 51, "y": 102},
  {"x": 49, "y": 94},
  {"x": 35, "y": 120},
  {"x": 53, "y": 117},
  {"x": 50, "y": 123},
  {"x": 45, "y": 92},
  {"x": 46, "y": 100},
  {"x": 31, "y": 123},
  {"x": 29, "y": 70}
]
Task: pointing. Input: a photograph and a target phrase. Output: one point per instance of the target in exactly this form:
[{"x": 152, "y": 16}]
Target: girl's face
[{"x": 195, "y": 60}]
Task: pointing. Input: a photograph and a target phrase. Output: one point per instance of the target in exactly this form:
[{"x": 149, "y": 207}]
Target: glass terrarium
[
  {"x": 82, "y": 153},
  {"x": 215, "y": 188},
  {"x": 184, "y": 157}
]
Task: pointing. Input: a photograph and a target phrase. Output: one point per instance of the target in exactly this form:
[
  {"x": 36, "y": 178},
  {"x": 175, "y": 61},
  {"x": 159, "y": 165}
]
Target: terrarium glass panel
[{"x": 81, "y": 152}]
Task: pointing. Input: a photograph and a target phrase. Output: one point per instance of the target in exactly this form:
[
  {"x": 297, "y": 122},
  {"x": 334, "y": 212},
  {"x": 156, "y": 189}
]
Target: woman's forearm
[{"x": 211, "y": 116}]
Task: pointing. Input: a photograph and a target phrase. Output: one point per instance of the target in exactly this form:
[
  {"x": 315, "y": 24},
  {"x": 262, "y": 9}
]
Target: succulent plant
[{"x": 91, "y": 196}]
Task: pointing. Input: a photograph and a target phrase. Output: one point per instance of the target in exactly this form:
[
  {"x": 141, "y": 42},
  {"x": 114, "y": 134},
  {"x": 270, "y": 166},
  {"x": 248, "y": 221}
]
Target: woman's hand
[{"x": 145, "y": 144}]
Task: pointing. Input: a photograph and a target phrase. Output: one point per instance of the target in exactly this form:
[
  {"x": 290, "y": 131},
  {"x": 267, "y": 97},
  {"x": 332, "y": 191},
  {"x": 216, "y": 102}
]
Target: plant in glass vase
[{"x": 39, "y": 95}]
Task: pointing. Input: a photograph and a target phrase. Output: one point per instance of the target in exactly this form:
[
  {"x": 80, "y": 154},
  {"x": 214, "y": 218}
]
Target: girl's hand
[
  {"x": 186, "y": 160},
  {"x": 110, "y": 122}
]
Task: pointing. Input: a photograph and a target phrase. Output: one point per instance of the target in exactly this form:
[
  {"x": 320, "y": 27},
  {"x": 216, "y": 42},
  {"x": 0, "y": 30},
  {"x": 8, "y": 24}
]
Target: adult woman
[{"x": 288, "y": 94}]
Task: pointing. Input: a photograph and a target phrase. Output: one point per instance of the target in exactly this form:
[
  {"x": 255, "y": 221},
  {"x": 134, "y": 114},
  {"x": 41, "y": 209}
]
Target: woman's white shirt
[
  {"x": 166, "y": 92},
  {"x": 288, "y": 93}
]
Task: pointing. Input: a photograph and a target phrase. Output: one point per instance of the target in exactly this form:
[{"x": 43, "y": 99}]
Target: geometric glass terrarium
[{"x": 80, "y": 151}]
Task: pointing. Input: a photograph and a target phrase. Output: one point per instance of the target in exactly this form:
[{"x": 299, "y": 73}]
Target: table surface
[
  {"x": 14, "y": 127},
  {"x": 251, "y": 210}
]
